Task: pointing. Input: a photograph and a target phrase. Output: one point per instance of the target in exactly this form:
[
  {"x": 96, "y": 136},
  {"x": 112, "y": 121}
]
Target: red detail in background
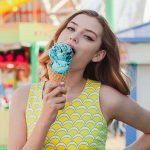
[
  {"x": 15, "y": 57},
  {"x": 20, "y": 58},
  {"x": 9, "y": 57},
  {"x": 1, "y": 58}
]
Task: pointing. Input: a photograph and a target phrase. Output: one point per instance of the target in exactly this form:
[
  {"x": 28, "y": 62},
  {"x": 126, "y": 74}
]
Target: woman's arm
[
  {"x": 17, "y": 122},
  {"x": 121, "y": 107}
]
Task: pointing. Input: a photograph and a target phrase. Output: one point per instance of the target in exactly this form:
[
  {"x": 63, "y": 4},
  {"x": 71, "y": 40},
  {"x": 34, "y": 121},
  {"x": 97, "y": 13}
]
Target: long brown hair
[{"x": 107, "y": 71}]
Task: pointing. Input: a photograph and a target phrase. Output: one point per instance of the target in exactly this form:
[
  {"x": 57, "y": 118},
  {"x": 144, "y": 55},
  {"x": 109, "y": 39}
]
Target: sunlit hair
[{"x": 107, "y": 71}]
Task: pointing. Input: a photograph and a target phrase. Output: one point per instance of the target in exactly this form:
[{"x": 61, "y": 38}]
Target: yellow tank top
[{"x": 79, "y": 126}]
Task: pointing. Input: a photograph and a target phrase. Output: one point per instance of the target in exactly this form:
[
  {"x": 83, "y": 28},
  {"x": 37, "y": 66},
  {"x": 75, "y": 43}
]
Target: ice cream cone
[
  {"x": 55, "y": 77},
  {"x": 60, "y": 59}
]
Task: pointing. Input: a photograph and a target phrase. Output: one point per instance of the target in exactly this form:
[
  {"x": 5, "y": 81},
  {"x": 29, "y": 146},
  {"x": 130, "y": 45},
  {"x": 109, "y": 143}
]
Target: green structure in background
[
  {"x": 3, "y": 148},
  {"x": 109, "y": 6},
  {"x": 34, "y": 52}
]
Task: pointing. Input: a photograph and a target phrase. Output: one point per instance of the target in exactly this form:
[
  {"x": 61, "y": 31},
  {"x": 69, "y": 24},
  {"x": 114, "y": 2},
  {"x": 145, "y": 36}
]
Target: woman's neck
[
  {"x": 74, "y": 80},
  {"x": 75, "y": 84}
]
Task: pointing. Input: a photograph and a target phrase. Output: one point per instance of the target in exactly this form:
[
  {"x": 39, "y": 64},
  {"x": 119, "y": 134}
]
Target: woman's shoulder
[
  {"x": 20, "y": 97},
  {"x": 110, "y": 99},
  {"x": 23, "y": 90},
  {"x": 108, "y": 91}
]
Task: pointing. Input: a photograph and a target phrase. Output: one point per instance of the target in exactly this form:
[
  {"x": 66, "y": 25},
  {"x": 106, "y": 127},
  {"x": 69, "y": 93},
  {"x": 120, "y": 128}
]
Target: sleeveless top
[{"x": 79, "y": 126}]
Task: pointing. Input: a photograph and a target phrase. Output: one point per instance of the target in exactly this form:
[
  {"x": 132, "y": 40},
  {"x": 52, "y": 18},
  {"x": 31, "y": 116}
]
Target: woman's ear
[{"x": 99, "y": 56}]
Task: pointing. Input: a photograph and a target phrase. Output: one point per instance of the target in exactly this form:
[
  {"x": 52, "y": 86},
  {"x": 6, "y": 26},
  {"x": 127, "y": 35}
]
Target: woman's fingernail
[{"x": 62, "y": 83}]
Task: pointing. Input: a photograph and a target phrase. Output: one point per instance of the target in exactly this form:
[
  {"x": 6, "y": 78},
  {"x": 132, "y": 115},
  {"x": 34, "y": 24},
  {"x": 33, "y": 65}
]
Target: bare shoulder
[
  {"x": 109, "y": 93},
  {"x": 121, "y": 107},
  {"x": 20, "y": 97},
  {"x": 110, "y": 100}
]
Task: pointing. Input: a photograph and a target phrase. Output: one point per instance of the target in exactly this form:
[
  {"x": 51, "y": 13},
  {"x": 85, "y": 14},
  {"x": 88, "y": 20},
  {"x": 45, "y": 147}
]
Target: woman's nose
[{"x": 73, "y": 38}]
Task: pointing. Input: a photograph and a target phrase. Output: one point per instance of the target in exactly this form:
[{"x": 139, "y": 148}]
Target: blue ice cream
[{"x": 61, "y": 57}]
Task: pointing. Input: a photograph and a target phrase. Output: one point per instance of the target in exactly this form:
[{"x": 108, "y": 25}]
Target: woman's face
[{"x": 83, "y": 33}]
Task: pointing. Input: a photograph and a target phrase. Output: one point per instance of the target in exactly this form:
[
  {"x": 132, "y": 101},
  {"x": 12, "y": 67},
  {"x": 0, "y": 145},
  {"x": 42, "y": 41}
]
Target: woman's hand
[{"x": 53, "y": 100}]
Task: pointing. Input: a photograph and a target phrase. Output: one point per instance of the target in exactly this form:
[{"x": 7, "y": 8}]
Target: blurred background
[{"x": 26, "y": 26}]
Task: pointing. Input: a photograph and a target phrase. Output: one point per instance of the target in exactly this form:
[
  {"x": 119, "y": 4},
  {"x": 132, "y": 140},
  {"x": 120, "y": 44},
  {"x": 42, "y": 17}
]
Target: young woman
[{"x": 95, "y": 93}]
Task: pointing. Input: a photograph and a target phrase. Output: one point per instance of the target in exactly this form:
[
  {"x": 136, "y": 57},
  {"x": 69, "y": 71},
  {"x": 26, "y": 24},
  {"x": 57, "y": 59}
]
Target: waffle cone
[{"x": 54, "y": 77}]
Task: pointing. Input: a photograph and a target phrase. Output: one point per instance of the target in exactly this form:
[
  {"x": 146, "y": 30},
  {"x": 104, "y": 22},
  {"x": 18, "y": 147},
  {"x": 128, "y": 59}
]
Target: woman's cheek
[{"x": 62, "y": 36}]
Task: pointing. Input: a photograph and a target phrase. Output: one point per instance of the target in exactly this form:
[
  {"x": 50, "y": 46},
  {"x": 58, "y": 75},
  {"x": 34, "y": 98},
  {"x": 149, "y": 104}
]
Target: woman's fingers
[
  {"x": 55, "y": 103},
  {"x": 58, "y": 91},
  {"x": 59, "y": 100},
  {"x": 60, "y": 106},
  {"x": 50, "y": 86}
]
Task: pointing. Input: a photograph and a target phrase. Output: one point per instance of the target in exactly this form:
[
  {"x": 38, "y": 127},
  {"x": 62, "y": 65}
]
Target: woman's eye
[
  {"x": 88, "y": 38},
  {"x": 70, "y": 28}
]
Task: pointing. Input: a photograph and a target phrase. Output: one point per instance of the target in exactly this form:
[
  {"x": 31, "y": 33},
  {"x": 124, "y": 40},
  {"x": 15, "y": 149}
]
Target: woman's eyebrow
[{"x": 73, "y": 23}]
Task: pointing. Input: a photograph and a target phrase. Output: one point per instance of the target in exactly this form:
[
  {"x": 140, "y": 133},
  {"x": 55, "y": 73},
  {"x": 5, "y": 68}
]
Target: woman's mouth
[
  {"x": 72, "y": 48},
  {"x": 73, "y": 51}
]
